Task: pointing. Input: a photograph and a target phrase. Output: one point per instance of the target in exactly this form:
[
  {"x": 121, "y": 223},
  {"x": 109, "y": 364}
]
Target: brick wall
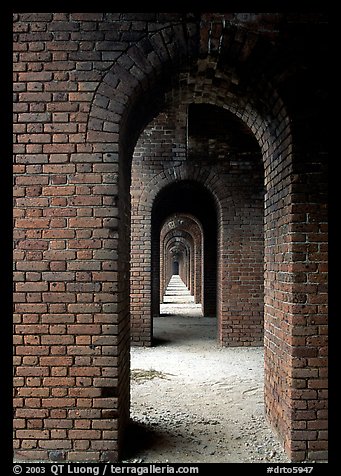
[{"x": 87, "y": 87}]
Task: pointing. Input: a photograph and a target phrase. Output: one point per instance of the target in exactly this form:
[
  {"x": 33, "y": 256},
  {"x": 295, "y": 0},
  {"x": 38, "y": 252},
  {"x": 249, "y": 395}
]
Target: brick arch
[
  {"x": 171, "y": 242},
  {"x": 182, "y": 173},
  {"x": 193, "y": 228},
  {"x": 228, "y": 268},
  {"x": 127, "y": 96},
  {"x": 142, "y": 239},
  {"x": 158, "y": 58},
  {"x": 114, "y": 110},
  {"x": 272, "y": 129},
  {"x": 183, "y": 245},
  {"x": 137, "y": 71},
  {"x": 273, "y": 135}
]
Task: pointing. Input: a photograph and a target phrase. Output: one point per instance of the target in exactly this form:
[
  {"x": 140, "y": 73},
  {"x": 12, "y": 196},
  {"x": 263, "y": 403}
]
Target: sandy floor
[{"x": 193, "y": 401}]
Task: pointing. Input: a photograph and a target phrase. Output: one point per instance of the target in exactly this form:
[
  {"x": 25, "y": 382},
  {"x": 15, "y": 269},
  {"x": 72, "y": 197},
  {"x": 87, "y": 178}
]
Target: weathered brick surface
[{"x": 87, "y": 88}]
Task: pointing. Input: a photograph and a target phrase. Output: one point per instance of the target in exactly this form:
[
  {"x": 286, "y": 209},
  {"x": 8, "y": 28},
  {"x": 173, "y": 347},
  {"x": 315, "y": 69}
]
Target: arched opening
[
  {"x": 178, "y": 229},
  {"x": 191, "y": 198},
  {"x": 175, "y": 202},
  {"x": 235, "y": 296},
  {"x": 225, "y": 194},
  {"x": 176, "y": 282}
]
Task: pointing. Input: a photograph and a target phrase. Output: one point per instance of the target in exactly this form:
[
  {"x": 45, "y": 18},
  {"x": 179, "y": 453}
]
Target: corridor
[
  {"x": 178, "y": 301},
  {"x": 177, "y": 292},
  {"x": 197, "y": 402},
  {"x": 153, "y": 144},
  {"x": 191, "y": 399}
]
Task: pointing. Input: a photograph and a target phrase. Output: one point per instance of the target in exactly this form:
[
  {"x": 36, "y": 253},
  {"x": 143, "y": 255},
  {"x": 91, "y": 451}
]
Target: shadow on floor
[
  {"x": 181, "y": 330},
  {"x": 143, "y": 437},
  {"x": 157, "y": 341}
]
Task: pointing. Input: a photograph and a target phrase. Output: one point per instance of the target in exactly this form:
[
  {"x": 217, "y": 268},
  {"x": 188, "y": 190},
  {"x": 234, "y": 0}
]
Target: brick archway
[
  {"x": 82, "y": 164},
  {"x": 176, "y": 225},
  {"x": 171, "y": 197},
  {"x": 271, "y": 127}
]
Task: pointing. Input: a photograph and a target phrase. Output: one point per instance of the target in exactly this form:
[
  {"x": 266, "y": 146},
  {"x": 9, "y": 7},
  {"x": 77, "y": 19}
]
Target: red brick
[{"x": 83, "y": 91}]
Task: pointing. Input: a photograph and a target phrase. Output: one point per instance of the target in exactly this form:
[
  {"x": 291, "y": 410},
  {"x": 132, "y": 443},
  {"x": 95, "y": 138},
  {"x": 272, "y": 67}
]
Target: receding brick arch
[
  {"x": 182, "y": 247},
  {"x": 174, "y": 225},
  {"x": 181, "y": 196},
  {"x": 86, "y": 104},
  {"x": 272, "y": 130},
  {"x": 144, "y": 188},
  {"x": 176, "y": 243}
]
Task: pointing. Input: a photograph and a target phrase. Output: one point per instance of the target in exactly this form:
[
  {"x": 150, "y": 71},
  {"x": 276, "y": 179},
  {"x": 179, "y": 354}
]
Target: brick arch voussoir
[
  {"x": 172, "y": 235},
  {"x": 270, "y": 127},
  {"x": 135, "y": 73}
]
